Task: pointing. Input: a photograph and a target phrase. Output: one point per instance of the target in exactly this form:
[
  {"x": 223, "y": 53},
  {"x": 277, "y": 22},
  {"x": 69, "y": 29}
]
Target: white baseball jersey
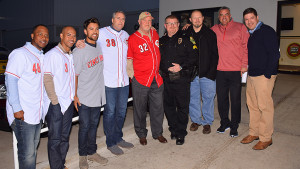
[
  {"x": 25, "y": 63},
  {"x": 114, "y": 47},
  {"x": 61, "y": 67}
]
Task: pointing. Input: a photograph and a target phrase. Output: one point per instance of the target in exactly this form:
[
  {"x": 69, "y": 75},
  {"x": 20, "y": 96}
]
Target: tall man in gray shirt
[{"x": 89, "y": 93}]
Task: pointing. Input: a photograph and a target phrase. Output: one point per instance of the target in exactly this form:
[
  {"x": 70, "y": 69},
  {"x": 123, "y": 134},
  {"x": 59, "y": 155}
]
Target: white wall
[{"x": 267, "y": 9}]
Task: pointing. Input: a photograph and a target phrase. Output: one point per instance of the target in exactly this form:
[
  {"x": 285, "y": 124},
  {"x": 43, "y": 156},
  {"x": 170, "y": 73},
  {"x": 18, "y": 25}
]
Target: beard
[
  {"x": 197, "y": 25},
  {"x": 93, "y": 38}
]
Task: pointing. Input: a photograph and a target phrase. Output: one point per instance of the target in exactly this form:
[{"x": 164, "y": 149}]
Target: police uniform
[{"x": 177, "y": 49}]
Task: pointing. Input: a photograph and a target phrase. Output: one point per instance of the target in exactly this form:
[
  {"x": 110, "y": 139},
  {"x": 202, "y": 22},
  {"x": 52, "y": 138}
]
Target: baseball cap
[{"x": 144, "y": 15}]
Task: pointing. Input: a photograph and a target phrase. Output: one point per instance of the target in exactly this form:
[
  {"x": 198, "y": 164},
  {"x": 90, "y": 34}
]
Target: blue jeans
[
  {"x": 88, "y": 124},
  {"x": 202, "y": 89},
  {"x": 114, "y": 114},
  {"x": 28, "y": 137},
  {"x": 58, "y": 136}
]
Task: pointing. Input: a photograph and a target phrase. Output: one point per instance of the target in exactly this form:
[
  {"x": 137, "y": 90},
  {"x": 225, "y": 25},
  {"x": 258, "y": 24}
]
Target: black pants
[
  {"x": 176, "y": 105},
  {"x": 229, "y": 83},
  {"x": 141, "y": 96}
]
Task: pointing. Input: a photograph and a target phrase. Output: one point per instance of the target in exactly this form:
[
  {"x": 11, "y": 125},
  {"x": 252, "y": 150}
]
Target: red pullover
[{"x": 232, "y": 45}]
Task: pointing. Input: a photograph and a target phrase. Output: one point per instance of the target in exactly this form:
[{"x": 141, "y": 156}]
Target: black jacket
[
  {"x": 207, "y": 55},
  {"x": 177, "y": 49}
]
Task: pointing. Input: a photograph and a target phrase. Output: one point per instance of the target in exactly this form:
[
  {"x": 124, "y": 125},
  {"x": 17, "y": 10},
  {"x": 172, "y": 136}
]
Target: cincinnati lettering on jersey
[{"x": 94, "y": 61}]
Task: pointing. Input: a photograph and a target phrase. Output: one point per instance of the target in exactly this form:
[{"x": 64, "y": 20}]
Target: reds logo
[
  {"x": 126, "y": 41},
  {"x": 157, "y": 43}
]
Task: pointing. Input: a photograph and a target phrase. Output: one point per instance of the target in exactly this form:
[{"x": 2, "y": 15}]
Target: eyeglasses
[{"x": 172, "y": 23}]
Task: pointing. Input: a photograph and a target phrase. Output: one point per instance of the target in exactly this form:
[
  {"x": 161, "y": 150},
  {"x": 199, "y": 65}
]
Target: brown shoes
[
  {"x": 262, "y": 145},
  {"x": 249, "y": 139},
  {"x": 161, "y": 139},
  {"x": 194, "y": 126},
  {"x": 143, "y": 141},
  {"x": 206, "y": 129}
]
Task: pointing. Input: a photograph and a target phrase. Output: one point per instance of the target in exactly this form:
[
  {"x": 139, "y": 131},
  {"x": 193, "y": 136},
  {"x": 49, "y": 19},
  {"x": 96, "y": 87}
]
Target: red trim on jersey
[
  {"x": 12, "y": 74},
  {"x": 68, "y": 71},
  {"x": 41, "y": 99}
]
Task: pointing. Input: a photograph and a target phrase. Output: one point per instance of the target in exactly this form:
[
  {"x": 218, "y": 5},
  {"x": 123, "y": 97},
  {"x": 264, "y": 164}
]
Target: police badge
[{"x": 179, "y": 41}]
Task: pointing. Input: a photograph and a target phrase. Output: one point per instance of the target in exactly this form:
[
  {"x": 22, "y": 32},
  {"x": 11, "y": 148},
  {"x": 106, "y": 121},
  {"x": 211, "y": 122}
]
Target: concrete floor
[{"x": 213, "y": 151}]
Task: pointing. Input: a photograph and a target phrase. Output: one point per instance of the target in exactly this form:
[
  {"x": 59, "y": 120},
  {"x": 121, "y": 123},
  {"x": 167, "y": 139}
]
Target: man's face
[
  {"x": 68, "y": 37},
  {"x": 118, "y": 21},
  {"x": 197, "y": 19},
  {"x": 251, "y": 20},
  {"x": 146, "y": 23},
  {"x": 224, "y": 17},
  {"x": 40, "y": 37},
  {"x": 92, "y": 32},
  {"x": 172, "y": 26}
]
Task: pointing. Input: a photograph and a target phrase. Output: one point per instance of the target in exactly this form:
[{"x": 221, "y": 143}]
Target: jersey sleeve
[
  {"x": 50, "y": 66},
  {"x": 16, "y": 64},
  {"x": 130, "y": 48},
  {"x": 78, "y": 61}
]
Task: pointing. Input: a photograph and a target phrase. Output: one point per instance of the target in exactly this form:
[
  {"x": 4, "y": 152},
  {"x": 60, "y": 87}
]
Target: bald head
[{"x": 68, "y": 37}]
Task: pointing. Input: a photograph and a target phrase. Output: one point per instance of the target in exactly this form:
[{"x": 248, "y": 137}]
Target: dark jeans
[
  {"x": 176, "y": 105},
  {"x": 114, "y": 114},
  {"x": 28, "y": 137},
  {"x": 88, "y": 124},
  {"x": 141, "y": 96},
  {"x": 58, "y": 136},
  {"x": 229, "y": 82}
]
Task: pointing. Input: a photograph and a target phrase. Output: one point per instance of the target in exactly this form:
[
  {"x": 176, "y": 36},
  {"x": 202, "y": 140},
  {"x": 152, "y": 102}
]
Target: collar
[
  {"x": 257, "y": 27},
  {"x": 149, "y": 35},
  {"x": 114, "y": 29},
  {"x": 62, "y": 48},
  {"x": 33, "y": 48},
  {"x": 93, "y": 45}
]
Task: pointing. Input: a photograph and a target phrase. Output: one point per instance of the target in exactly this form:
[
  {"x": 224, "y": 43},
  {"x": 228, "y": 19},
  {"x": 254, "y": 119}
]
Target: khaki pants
[{"x": 261, "y": 107}]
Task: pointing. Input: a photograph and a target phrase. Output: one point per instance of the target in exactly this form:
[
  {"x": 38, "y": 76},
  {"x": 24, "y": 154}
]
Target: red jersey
[{"x": 146, "y": 57}]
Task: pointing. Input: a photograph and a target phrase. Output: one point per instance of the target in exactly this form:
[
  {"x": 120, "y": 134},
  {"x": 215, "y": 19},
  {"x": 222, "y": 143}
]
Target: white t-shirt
[
  {"x": 114, "y": 47},
  {"x": 26, "y": 64},
  {"x": 61, "y": 67}
]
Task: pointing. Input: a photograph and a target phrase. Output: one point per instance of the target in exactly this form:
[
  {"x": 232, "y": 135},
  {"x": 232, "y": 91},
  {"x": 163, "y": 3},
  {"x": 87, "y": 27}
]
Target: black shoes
[
  {"x": 233, "y": 133},
  {"x": 222, "y": 129},
  {"x": 180, "y": 141},
  {"x": 173, "y": 137}
]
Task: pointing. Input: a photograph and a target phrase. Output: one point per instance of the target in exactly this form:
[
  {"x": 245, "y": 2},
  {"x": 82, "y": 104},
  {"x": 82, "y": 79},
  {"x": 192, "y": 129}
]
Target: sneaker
[
  {"x": 83, "y": 164},
  {"x": 97, "y": 158},
  {"x": 125, "y": 144},
  {"x": 234, "y": 133},
  {"x": 222, "y": 129},
  {"x": 115, "y": 150}
]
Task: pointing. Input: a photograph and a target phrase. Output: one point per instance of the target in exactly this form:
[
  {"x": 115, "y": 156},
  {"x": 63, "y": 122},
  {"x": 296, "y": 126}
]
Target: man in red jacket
[
  {"x": 143, "y": 60},
  {"x": 232, "y": 40}
]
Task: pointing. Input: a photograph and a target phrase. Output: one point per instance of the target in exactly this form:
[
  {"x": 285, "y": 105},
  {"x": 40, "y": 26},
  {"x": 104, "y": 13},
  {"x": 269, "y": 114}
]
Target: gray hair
[
  {"x": 222, "y": 8},
  {"x": 114, "y": 14}
]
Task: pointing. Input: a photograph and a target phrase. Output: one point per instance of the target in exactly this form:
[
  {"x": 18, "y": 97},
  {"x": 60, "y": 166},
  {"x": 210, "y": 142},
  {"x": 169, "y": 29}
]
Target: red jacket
[
  {"x": 146, "y": 57},
  {"x": 232, "y": 45}
]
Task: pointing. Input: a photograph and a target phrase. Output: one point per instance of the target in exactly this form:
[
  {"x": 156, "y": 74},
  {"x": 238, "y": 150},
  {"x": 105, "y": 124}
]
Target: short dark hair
[
  {"x": 171, "y": 17},
  {"x": 250, "y": 10},
  {"x": 91, "y": 20},
  {"x": 222, "y": 8},
  {"x": 36, "y": 26},
  {"x": 195, "y": 11}
]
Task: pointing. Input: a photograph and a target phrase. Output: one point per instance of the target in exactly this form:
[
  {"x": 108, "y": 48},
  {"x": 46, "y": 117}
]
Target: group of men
[{"x": 177, "y": 74}]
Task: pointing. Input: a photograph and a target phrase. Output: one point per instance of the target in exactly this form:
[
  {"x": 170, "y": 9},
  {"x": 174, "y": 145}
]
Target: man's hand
[
  {"x": 80, "y": 44},
  {"x": 243, "y": 70},
  {"x": 185, "y": 27},
  {"x": 175, "y": 68},
  {"x": 19, "y": 115},
  {"x": 76, "y": 101}
]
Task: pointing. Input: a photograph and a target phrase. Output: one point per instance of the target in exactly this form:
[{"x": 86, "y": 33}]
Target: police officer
[{"x": 177, "y": 58}]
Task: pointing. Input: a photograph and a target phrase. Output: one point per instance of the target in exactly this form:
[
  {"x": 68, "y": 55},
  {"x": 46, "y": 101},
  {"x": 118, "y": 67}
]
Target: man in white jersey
[
  {"x": 24, "y": 83},
  {"x": 113, "y": 41},
  {"x": 89, "y": 93},
  {"x": 59, "y": 80}
]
